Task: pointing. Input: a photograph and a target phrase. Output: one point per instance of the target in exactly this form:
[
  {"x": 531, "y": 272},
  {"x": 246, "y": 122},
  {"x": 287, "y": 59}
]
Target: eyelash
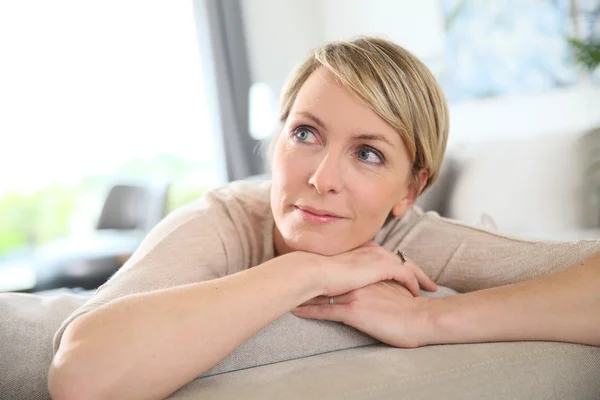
[
  {"x": 363, "y": 147},
  {"x": 302, "y": 128}
]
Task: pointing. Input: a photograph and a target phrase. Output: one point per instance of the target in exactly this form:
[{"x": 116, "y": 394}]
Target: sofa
[{"x": 541, "y": 188}]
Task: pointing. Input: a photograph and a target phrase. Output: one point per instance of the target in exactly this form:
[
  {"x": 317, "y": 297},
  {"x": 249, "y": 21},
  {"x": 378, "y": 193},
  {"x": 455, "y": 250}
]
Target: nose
[{"x": 327, "y": 178}]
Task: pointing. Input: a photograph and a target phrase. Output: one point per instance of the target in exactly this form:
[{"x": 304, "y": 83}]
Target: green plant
[{"x": 587, "y": 53}]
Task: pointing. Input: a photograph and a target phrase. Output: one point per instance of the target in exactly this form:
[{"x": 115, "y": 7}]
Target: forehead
[{"x": 326, "y": 97}]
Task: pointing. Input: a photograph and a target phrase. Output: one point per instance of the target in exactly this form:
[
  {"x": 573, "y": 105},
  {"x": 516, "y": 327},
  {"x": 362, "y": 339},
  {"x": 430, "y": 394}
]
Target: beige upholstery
[
  {"x": 510, "y": 371},
  {"x": 525, "y": 370},
  {"x": 27, "y": 326},
  {"x": 534, "y": 185}
]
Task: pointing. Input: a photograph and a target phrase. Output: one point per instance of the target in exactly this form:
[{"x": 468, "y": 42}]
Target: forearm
[
  {"x": 563, "y": 306},
  {"x": 147, "y": 346}
]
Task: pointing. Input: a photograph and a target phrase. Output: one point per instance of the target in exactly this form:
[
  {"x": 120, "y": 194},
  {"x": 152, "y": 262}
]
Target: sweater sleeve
[
  {"x": 468, "y": 258},
  {"x": 186, "y": 247}
]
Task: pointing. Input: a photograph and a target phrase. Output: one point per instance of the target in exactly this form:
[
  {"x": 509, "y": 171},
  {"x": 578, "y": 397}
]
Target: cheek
[
  {"x": 277, "y": 163},
  {"x": 376, "y": 198},
  {"x": 288, "y": 169},
  {"x": 284, "y": 182}
]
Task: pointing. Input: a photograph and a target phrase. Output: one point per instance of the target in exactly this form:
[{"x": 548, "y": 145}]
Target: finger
[
  {"x": 407, "y": 277},
  {"x": 316, "y": 301},
  {"x": 324, "y": 300},
  {"x": 334, "y": 312},
  {"x": 425, "y": 282}
]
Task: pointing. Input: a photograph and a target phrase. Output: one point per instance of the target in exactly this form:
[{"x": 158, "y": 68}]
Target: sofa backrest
[{"x": 538, "y": 184}]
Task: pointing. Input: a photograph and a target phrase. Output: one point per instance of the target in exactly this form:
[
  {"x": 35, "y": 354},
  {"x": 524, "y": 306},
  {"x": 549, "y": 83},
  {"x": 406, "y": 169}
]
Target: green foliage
[
  {"x": 33, "y": 219},
  {"x": 36, "y": 218},
  {"x": 180, "y": 195},
  {"x": 587, "y": 53},
  {"x": 13, "y": 211}
]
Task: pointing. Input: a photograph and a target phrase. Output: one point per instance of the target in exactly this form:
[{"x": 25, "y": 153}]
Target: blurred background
[{"x": 114, "y": 113}]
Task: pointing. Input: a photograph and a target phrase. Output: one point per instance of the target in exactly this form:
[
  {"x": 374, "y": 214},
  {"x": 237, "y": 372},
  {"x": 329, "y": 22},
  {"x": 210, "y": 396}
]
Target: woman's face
[{"x": 338, "y": 171}]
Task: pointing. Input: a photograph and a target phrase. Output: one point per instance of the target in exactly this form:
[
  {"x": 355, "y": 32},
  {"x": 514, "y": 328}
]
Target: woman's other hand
[
  {"x": 368, "y": 264},
  {"x": 385, "y": 310}
]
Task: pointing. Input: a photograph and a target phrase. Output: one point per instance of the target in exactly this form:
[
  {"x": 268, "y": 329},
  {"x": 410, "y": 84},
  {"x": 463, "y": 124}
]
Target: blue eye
[
  {"x": 303, "y": 134},
  {"x": 369, "y": 155}
]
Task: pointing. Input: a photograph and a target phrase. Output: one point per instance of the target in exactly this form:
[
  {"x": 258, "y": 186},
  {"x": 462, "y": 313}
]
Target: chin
[
  {"x": 324, "y": 240},
  {"x": 321, "y": 249},
  {"x": 312, "y": 243}
]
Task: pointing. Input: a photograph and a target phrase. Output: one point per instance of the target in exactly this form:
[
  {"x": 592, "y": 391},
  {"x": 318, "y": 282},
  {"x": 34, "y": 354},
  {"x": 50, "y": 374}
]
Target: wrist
[
  {"x": 439, "y": 321},
  {"x": 307, "y": 267}
]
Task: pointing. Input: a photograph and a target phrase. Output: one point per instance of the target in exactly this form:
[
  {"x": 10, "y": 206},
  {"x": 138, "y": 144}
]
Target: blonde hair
[{"x": 393, "y": 83}]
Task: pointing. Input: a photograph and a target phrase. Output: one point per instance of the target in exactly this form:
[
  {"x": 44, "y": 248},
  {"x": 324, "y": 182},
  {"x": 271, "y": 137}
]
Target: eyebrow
[
  {"x": 362, "y": 136},
  {"x": 313, "y": 118},
  {"x": 374, "y": 136}
]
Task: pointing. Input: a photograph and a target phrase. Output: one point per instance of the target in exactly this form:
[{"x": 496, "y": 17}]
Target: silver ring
[
  {"x": 332, "y": 300},
  {"x": 402, "y": 256}
]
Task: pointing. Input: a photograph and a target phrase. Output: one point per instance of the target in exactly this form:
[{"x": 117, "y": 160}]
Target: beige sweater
[{"x": 230, "y": 229}]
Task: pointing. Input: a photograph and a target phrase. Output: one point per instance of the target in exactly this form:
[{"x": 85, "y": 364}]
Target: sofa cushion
[
  {"x": 281, "y": 368},
  {"x": 29, "y": 322},
  {"x": 435, "y": 198},
  {"x": 519, "y": 370},
  {"x": 532, "y": 185},
  {"x": 590, "y": 164},
  {"x": 27, "y": 327}
]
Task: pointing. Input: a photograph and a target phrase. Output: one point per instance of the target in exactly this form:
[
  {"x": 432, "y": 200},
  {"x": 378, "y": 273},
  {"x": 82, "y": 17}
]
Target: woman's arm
[
  {"x": 146, "y": 346},
  {"x": 563, "y": 306},
  {"x": 517, "y": 289}
]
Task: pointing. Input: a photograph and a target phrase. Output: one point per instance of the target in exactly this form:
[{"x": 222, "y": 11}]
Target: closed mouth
[{"x": 322, "y": 213}]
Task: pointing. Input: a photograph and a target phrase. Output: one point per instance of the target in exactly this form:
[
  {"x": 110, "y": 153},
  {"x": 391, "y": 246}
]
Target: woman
[{"x": 364, "y": 130}]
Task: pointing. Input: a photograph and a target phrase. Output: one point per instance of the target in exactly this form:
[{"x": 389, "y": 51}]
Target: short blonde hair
[{"x": 393, "y": 83}]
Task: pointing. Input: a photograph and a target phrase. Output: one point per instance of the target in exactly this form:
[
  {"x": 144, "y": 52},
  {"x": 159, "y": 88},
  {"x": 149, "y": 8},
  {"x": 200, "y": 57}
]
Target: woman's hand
[
  {"x": 368, "y": 264},
  {"x": 385, "y": 310}
]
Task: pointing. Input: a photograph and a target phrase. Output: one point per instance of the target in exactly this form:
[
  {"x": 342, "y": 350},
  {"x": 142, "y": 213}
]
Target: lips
[{"x": 321, "y": 213}]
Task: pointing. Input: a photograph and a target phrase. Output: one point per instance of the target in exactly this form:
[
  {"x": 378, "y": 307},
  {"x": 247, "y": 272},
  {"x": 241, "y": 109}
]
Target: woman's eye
[
  {"x": 369, "y": 155},
  {"x": 303, "y": 135}
]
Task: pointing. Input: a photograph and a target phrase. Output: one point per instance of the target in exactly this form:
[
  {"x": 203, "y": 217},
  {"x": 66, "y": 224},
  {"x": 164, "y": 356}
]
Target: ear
[{"x": 414, "y": 189}]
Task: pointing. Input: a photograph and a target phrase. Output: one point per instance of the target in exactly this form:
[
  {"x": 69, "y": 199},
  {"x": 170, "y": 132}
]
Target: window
[{"x": 93, "y": 93}]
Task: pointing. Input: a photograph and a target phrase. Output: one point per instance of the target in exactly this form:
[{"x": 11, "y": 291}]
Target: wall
[
  {"x": 418, "y": 25},
  {"x": 280, "y": 33},
  {"x": 279, "y": 36}
]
